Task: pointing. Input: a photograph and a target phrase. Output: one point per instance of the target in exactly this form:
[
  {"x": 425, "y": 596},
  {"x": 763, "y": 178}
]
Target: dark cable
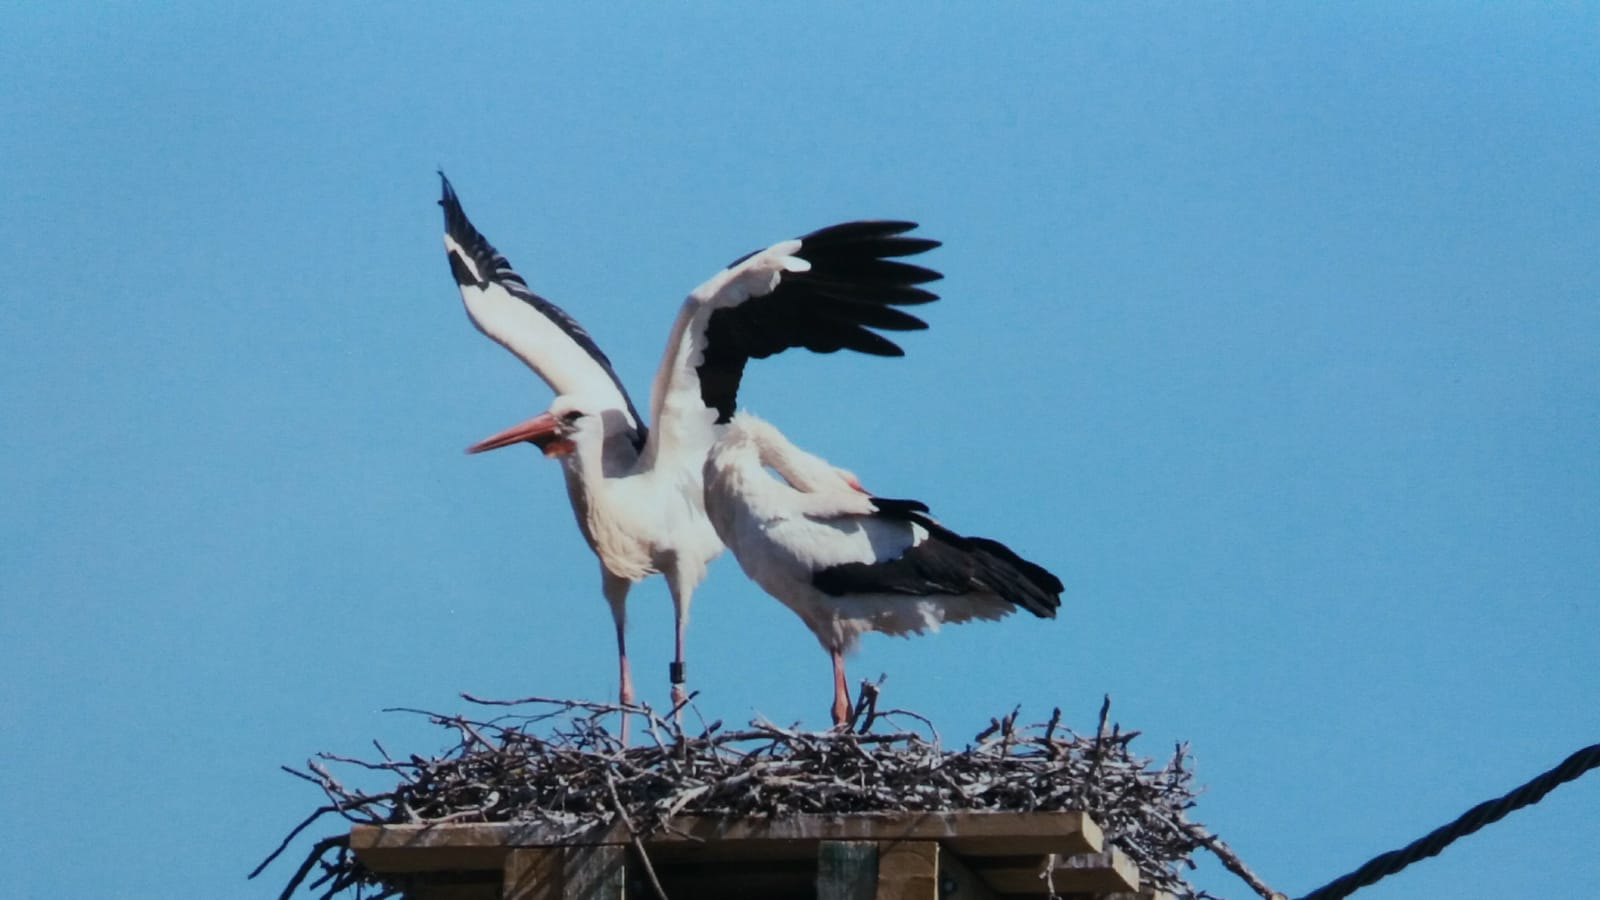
[{"x": 1472, "y": 820}]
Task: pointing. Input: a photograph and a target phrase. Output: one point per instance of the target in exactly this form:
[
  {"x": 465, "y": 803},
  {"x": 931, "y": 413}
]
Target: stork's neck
[
  {"x": 597, "y": 461},
  {"x": 639, "y": 519},
  {"x": 598, "y": 475}
]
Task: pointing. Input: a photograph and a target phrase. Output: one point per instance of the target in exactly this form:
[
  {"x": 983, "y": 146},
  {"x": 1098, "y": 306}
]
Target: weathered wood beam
[
  {"x": 532, "y": 874},
  {"x": 598, "y": 872},
  {"x": 594, "y": 873},
  {"x": 452, "y": 890},
  {"x": 959, "y": 882},
  {"x": 908, "y": 870},
  {"x": 421, "y": 848},
  {"x": 847, "y": 870},
  {"x": 1087, "y": 873}
]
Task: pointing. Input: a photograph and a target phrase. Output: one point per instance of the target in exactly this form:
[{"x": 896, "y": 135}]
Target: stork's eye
[{"x": 571, "y": 418}]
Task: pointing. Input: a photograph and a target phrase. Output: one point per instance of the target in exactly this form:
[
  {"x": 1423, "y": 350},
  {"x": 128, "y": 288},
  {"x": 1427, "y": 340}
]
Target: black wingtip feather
[
  {"x": 461, "y": 230},
  {"x": 869, "y": 276},
  {"x": 898, "y": 509},
  {"x": 875, "y": 295},
  {"x": 455, "y": 218},
  {"x": 1030, "y": 585},
  {"x": 852, "y": 284},
  {"x": 861, "y": 230},
  {"x": 461, "y": 271},
  {"x": 946, "y": 563},
  {"x": 850, "y": 311},
  {"x": 906, "y": 246},
  {"x": 871, "y": 343}
]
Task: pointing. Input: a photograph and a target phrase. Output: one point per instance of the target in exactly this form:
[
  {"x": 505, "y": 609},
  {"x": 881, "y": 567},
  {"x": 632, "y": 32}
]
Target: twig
[{"x": 633, "y": 838}]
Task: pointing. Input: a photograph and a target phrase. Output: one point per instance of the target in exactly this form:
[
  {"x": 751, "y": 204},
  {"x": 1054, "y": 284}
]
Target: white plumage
[
  {"x": 847, "y": 562},
  {"x": 636, "y": 490}
]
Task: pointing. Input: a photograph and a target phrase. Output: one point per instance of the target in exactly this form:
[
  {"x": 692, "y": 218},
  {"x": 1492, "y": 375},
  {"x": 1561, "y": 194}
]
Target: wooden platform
[{"x": 899, "y": 856}]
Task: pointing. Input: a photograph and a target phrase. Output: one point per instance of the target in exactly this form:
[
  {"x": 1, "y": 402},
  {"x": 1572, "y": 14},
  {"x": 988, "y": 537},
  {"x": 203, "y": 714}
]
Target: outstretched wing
[
  {"x": 540, "y": 333},
  {"x": 825, "y": 292}
]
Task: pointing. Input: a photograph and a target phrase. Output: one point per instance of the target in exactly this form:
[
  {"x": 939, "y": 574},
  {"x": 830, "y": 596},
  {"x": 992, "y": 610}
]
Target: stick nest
[{"x": 555, "y": 763}]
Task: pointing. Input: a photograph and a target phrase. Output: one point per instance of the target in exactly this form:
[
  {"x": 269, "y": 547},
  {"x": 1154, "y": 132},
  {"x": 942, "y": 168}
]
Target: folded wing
[{"x": 939, "y": 561}]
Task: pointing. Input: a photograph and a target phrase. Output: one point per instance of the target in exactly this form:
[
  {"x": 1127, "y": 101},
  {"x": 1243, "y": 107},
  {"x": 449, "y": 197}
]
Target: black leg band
[{"x": 675, "y": 670}]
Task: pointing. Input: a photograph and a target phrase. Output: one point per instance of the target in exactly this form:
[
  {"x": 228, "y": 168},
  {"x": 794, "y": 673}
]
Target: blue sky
[{"x": 1272, "y": 329}]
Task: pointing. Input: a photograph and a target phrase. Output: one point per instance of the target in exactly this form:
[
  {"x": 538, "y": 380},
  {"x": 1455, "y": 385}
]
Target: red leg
[
  {"x": 841, "y": 695},
  {"x": 616, "y": 593},
  {"x": 681, "y": 586},
  {"x": 624, "y": 680},
  {"x": 679, "y": 695}
]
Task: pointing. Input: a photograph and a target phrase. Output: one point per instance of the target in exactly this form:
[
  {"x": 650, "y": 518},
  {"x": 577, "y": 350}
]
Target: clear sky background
[{"x": 1271, "y": 328}]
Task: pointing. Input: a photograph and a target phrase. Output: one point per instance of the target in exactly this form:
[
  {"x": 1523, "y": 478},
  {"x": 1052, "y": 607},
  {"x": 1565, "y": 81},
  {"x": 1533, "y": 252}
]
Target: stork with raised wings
[
  {"x": 637, "y": 491},
  {"x": 847, "y": 562}
]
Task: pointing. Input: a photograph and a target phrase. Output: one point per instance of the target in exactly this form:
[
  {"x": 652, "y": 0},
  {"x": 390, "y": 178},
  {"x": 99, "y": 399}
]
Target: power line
[{"x": 1473, "y": 819}]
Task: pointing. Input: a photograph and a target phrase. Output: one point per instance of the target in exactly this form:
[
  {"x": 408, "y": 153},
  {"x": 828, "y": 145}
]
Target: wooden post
[
  {"x": 532, "y": 874},
  {"x": 847, "y": 870},
  {"x": 594, "y": 872},
  {"x": 908, "y": 870},
  {"x": 957, "y": 882}
]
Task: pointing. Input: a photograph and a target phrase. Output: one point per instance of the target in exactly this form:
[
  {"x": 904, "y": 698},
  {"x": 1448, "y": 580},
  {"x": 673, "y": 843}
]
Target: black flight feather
[
  {"x": 945, "y": 563},
  {"x": 852, "y": 286}
]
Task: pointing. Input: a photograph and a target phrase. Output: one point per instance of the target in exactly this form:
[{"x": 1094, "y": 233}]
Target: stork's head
[{"x": 569, "y": 423}]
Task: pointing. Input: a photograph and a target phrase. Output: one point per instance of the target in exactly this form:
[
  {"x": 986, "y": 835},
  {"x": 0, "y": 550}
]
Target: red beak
[{"x": 543, "y": 431}]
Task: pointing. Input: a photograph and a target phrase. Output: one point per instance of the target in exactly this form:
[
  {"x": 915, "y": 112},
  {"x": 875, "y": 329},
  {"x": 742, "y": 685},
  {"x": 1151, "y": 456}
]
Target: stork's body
[
  {"x": 847, "y": 562},
  {"x": 637, "y": 491}
]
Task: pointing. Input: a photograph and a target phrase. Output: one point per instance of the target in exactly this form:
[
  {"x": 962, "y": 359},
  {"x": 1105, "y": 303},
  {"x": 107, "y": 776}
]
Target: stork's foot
[
  {"x": 624, "y": 700},
  {"x": 623, "y": 716}
]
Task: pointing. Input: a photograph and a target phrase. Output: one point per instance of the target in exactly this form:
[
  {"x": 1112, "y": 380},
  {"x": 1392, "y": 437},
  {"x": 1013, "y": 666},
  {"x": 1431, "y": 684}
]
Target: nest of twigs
[{"x": 557, "y": 764}]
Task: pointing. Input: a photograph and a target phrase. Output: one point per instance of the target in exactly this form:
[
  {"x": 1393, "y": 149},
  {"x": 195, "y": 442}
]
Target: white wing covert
[
  {"x": 824, "y": 291},
  {"x": 541, "y": 334}
]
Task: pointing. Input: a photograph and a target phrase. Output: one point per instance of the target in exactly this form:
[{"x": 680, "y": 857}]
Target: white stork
[
  {"x": 636, "y": 491},
  {"x": 847, "y": 562}
]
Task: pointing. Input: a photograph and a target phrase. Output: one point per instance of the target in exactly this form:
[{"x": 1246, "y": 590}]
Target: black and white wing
[
  {"x": 540, "y": 333},
  {"x": 940, "y": 562},
  {"x": 825, "y": 292}
]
